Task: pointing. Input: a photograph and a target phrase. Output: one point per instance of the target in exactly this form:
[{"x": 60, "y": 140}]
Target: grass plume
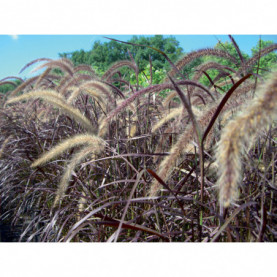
[
  {"x": 2, "y": 148},
  {"x": 174, "y": 112},
  {"x": 76, "y": 159},
  {"x": 238, "y": 135},
  {"x": 63, "y": 64},
  {"x": 200, "y": 53},
  {"x": 254, "y": 59},
  {"x": 77, "y": 140},
  {"x": 56, "y": 100},
  {"x": 117, "y": 65}
]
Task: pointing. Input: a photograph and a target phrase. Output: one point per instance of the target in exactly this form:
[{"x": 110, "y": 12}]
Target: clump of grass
[{"x": 83, "y": 166}]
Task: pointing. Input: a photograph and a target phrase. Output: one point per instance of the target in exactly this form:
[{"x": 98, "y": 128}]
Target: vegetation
[
  {"x": 103, "y": 55},
  {"x": 115, "y": 146}
]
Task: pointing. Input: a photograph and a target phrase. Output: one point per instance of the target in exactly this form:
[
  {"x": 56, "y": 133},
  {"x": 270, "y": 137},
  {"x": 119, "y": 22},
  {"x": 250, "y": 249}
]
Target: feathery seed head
[
  {"x": 77, "y": 158},
  {"x": 96, "y": 144},
  {"x": 239, "y": 135},
  {"x": 57, "y": 100}
]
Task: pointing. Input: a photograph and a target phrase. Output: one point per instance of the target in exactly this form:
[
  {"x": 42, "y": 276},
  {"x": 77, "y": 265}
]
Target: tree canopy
[
  {"x": 6, "y": 87},
  {"x": 102, "y": 55}
]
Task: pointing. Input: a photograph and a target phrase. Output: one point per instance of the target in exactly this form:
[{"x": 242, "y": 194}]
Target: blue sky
[{"x": 16, "y": 51}]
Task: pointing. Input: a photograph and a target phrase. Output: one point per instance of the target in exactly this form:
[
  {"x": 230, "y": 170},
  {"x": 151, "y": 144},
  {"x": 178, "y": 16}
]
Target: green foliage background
[{"x": 103, "y": 55}]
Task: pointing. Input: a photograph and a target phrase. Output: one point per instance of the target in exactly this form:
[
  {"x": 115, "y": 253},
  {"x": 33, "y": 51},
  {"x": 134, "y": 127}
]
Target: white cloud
[{"x": 15, "y": 37}]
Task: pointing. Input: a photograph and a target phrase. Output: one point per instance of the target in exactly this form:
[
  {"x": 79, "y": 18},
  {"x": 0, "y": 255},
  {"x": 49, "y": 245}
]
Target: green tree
[
  {"x": 168, "y": 45},
  {"x": 267, "y": 62},
  {"x": 4, "y": 88},
  {"x": 102, "y": 55}
]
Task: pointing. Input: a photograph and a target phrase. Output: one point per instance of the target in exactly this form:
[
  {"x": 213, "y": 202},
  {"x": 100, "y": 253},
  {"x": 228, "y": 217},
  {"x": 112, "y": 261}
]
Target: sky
[{"x": 18, "y": 50}]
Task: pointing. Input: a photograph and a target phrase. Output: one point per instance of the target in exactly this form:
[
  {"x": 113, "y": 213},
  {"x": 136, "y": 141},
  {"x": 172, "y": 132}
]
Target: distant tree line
[{"x": 103, "y": 55}]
